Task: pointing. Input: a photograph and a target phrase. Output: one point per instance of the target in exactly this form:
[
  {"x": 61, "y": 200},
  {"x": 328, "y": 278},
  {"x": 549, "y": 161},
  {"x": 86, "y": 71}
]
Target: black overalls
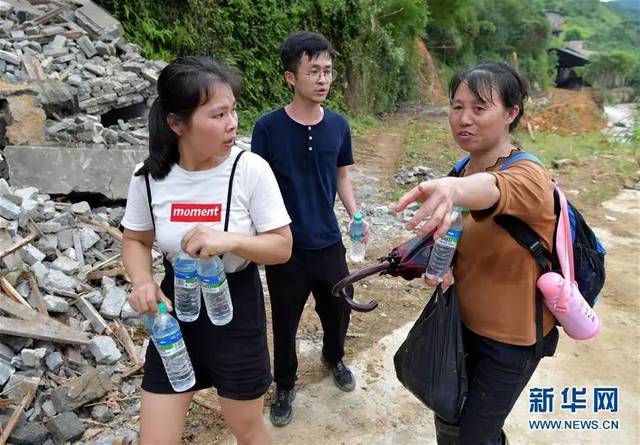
[{"x": 233, "y": 358}]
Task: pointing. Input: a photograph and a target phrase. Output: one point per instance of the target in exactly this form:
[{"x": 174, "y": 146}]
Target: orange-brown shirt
[{"x": 496, "y": 276}]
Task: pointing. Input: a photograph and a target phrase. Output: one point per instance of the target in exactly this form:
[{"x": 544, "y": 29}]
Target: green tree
[
  {"x": 611, "y": 69},
  {"x": 574, "y": 33}
]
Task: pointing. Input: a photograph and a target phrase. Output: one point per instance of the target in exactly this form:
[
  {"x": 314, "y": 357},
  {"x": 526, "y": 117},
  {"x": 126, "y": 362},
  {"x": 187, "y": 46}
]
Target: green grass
[
  {"x": 598, "y": 168},
  {"x": 429, "y": 144},
  {"x": 362, "y": 123}
]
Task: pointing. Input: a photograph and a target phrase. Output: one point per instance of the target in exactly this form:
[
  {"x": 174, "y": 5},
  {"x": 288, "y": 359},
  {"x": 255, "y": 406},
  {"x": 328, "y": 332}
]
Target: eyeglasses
[{"x": 315, "y": 75}]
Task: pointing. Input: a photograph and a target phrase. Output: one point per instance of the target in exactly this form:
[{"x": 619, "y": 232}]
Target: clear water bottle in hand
[
  {"x": 357, "y": 245},
  {"x": 444, "y": 248},
  {"x": 170, "y": 345},
  {"x": 148, "y": 320},
  {"x": 186, "y": 287},
  {"x": 215, "y": 290}
]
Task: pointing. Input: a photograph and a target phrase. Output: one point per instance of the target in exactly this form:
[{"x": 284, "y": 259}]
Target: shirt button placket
[{"x": 310, "y": 139}]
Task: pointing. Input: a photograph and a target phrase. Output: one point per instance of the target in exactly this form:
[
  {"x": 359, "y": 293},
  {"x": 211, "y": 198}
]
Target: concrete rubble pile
[
  {"x": 76, "y": 60},
  {"x": 406, "y": 175},
  {"x": 66, "y": 327}
]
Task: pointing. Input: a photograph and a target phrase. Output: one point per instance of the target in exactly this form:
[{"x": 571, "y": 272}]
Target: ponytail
[
  {"x": 163, "y": 145},
  {"x": 182, "y": 86}
]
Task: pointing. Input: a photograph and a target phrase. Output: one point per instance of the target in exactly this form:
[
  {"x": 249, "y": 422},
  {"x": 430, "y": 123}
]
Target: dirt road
[{"x": 380, "y": 411}]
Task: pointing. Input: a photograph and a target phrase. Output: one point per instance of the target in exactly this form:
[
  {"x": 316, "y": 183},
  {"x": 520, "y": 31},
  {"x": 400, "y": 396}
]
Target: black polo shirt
[{"x": 305, "y": 161}]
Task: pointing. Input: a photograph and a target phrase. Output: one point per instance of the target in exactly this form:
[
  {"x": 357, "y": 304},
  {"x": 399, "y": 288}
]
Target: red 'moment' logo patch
[{"x": 185, "y": 212}]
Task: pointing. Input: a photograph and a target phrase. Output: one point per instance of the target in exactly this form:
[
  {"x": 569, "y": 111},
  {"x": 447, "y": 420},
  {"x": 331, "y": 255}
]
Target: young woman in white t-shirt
[{"x": 178, "y": 198}]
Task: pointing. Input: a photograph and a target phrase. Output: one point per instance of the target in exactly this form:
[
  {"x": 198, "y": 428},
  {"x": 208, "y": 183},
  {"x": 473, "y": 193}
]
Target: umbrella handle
[{"x": 339, "y": 290}]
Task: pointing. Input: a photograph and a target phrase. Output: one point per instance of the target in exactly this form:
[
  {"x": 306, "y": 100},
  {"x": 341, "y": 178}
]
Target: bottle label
[
  {"x": 452, "y": 236},
  {"x": 187, "y": 276},
  {"x": 212, "y": 282},
  {"x": 356, "y": 236},
  {"x": 169, "y": 343}
]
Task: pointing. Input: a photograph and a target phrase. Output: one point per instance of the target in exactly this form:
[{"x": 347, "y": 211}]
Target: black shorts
[{"x": 233, "y": 358}]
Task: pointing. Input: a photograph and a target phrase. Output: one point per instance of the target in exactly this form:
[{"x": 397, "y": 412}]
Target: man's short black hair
[{"x": 300, "y": 43}]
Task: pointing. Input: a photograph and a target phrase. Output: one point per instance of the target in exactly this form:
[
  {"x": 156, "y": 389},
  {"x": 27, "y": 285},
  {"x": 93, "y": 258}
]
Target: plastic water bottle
[
  {"x": 148, "y": 320},
  {"x": 172, "y": 350},
  {"x": 444, "y": 248},
  {"x": 357, "y": 246},
  {"x": 215, "y": 290},
  {"x": 186, "y": 287}
]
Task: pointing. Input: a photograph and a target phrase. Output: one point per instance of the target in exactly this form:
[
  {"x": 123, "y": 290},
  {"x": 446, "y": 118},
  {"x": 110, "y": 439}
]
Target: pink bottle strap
[{"x": 564, "y": 244}]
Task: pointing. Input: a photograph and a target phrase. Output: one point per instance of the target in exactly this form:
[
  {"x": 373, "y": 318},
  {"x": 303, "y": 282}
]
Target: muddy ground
[{"x": 381, "y": 411}]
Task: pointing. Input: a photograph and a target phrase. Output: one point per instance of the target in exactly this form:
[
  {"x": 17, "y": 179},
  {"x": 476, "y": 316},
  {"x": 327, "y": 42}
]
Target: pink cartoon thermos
[{"x": 561, "y": 293}]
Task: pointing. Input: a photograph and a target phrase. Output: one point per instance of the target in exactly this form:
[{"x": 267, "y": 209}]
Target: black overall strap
[
  {"x": 146, "y": 181},
  {"x": 229, "y": 192}
]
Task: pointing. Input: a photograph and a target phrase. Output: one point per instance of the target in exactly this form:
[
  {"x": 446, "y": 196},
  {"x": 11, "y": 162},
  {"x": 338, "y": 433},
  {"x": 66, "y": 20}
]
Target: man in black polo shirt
[{"x": 309, "y": 150}]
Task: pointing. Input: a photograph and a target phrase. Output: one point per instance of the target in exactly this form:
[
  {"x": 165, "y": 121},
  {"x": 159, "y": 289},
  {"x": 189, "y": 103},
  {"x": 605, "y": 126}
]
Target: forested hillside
[{"x": 375, "y": 40}]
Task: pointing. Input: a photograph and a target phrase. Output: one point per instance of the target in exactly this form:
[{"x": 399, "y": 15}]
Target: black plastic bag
[{"x": 430, "y": 363}]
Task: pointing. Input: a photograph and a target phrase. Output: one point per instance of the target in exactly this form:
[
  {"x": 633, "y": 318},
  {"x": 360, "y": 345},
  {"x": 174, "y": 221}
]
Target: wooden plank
[
  {"x": 44, "y": 18},
  {"x": 41, "y": 306},
  {"x": 127, "y": 342},
  {"x": 91, "y": 314},
  {"x": 10, "y": 290},
  {"x": 115, "y": 233},
  {"x": 115, "y": 272},
  {"x": 26, "y": 401},
  {"x": 16, "y": 309},
  {"x": 18, "y": 245},
  {"x": 33, "y": 228},
  {"x": 104, "y": 263},
  {"x": 132, "y": 370},
  {"x": 42, "y": 331},
  {"x": 77, "y": 246},
  {"x": 32, "y": 66}
]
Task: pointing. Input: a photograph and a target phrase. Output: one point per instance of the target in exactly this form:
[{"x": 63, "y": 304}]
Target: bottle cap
[
  {"x": 460, "y": 209},
  {"x": 357, "y": 217},
  {"x": 162, "y": 308}
]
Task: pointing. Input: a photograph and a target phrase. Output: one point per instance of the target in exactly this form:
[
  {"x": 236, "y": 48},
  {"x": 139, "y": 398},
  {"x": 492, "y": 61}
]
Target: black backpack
[{"x": 588, "y": 251}]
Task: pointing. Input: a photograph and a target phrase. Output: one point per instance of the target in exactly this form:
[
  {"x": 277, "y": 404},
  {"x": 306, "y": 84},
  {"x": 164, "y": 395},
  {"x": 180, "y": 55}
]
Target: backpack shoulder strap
[
  {"x": 527, "y": 237},
  {"x": 458, "y": 167},
  {"x": 519, "y": 156}
]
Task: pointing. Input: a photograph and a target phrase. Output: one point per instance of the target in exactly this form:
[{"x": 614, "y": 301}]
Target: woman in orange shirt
[{"x": 495, "y": 276}]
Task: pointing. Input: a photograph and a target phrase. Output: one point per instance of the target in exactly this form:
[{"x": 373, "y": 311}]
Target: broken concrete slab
[
  {"x": 6, "y": 371},
  {"x": 64, "y": 170},
  {"x": 32, "y": 358},
  {"x": 97, "y": 21},
  {"x": 29, "y": 433},
  {"x": 56, "y": 305},
  {"x": 66, "y": 427},
  {"x": 54, "y": 361},
  {"x": 113, "y": 302},
  {"x": 55, "y": 96},
  {"x": 20, "y": 384},
  {"x": 90, "y": 386},
  {"x": 104, "y": 350}
]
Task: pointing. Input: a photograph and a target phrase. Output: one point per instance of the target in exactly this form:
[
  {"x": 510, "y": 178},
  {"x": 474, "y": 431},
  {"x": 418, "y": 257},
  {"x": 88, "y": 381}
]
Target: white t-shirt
[{"x": 184, "y": 199}]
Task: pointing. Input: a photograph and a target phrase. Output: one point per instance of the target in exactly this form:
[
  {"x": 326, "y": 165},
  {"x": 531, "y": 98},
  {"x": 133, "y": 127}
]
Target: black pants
[
  {"x": 497, "y": 373},
  {"x": 308, "y": 271}
]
